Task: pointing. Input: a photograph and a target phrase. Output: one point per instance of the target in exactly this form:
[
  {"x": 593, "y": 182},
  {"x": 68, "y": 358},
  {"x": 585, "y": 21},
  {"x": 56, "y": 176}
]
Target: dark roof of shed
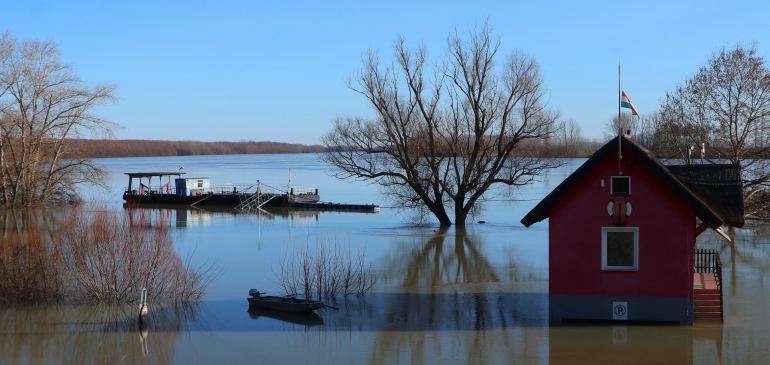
[
  {"x": 720, "y": 186},
  {"x": 150, "y": 174},
  {"x": 702, "y": 209}
]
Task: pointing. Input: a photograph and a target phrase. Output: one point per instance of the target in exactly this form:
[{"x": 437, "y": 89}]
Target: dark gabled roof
[
  {"x": 720, "y": 186},
  {"x": 702, "y": 210}
]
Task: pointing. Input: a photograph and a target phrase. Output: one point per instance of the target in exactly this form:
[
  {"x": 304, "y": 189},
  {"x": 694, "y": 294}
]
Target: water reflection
[
  {"x": 746, "y": 264},
  {"x": 445, "y": 297},
  {"x": 92, "y": 334},
  {"x": 446, "y": 291},
  {"x": 749, "y": 250},
  {"x": 448, "y": 303},
  {"x": 305, "y": 319},
  {"x": 444, "y": 259},
  {"x": 477, "y": 328},
  {"x": 619, "y": 344},
  {"x": 185, "y": 216},
  {"x": 18, "y": 220}
]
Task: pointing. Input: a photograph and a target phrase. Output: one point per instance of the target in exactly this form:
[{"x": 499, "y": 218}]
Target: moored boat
[
  {"x": 284, "y": 304},
  {"x": 199, "y": 191}
]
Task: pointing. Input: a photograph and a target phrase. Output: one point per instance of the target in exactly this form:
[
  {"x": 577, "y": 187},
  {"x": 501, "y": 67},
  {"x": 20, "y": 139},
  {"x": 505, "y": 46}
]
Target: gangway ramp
[{"x": 254, "y": 202}]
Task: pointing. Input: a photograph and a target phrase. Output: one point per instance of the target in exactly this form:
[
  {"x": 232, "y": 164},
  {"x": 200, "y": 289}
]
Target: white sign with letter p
[{"x": 620, "y": 310}]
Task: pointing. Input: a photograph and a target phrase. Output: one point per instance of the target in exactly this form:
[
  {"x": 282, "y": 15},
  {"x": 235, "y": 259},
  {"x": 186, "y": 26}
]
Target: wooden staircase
[
  {"x": 708, "y": 300},
  {"x": 707, "y": 291}
]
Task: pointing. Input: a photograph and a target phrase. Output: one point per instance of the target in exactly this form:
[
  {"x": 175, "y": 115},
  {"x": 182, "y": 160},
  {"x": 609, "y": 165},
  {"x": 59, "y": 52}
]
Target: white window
[
  {"x": 620, "y": 185},
  {"x": 620, "y": 248}
]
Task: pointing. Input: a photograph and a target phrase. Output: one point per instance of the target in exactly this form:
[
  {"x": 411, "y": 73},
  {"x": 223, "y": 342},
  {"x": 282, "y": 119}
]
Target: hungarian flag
[{"x": 626, "y": 103}]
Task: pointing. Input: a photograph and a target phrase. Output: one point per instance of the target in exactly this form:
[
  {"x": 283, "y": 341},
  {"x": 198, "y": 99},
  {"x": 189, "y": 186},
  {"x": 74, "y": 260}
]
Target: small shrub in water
[{"x": 324, "y": 270}]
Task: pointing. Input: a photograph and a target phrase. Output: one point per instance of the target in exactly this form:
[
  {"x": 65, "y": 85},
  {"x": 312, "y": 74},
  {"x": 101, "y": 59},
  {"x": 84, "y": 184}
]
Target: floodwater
[{"x": 478, "y": 296}]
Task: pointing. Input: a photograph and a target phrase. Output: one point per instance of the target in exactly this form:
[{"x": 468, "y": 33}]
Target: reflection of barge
[{"x": 200, "y": 191}]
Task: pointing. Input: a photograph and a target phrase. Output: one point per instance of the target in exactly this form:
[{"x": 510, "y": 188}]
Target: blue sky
[{"x": 257, "y": 70}]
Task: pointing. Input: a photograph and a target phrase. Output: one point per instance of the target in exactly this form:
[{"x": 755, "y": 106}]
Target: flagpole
[{"x": 620, "y": 128}]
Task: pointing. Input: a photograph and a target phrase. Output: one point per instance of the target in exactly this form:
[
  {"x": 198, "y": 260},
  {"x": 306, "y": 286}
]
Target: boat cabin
[
  {"x": 622, "y": 233},
  {"x": 149, "y": 189},
  {"x": 193, "y": 186}
]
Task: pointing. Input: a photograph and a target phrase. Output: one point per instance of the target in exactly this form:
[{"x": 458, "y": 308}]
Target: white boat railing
[{"x": 298, "y": 189}]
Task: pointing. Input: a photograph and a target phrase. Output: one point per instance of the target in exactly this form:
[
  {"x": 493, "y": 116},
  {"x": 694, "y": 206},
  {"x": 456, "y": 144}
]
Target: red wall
[{"x": 666, "y": 237}]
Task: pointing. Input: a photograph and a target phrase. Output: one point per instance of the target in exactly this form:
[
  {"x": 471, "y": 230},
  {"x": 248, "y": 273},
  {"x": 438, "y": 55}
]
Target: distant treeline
[
  {"x": 109, "y": 148},
  {"x": 106, "y": 148}
]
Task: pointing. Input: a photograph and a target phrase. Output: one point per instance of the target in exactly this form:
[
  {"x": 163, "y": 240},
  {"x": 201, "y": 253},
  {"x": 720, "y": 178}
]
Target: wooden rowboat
[{"x": 284, "y": 304}]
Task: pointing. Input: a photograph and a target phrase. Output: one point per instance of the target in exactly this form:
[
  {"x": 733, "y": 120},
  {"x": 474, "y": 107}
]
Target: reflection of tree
[
  {"x": 91, "y": 334},
  {"x": 436, "y": 263},
  {"x": 746, "y": 264},
  {"x": 446, "y": 308},
  {"x": 747, "y": 251},
  {"x": 460, "y": 327},
  {"x": 16, "y": 221}
]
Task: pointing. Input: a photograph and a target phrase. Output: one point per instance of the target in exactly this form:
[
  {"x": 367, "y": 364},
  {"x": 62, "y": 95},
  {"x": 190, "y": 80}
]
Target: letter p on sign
[{"x": 620, "y": 310}]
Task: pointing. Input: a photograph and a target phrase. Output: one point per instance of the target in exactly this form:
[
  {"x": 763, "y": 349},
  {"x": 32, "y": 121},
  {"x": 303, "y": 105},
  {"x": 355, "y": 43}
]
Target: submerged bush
[
  {"x": 29, "y": 267},
  {"x": 325, "y": 270},
  {"x": 99, "y": 255}
]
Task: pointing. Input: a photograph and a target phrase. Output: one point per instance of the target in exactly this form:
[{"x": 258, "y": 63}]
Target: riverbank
[
  {"x": 113, "y": 148},
  {"x": 110, "y": 148}
]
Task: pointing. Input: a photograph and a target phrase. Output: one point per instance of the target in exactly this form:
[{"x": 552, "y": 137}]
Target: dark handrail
[
  {"x": 706, "y": 261},
  {"x": 719, "y": 286}
]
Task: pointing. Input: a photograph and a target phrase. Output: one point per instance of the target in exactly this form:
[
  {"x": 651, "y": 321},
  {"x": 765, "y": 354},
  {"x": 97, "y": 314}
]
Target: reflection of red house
[
  {"x": 633, "y": 344},
  {"x": 622, "y": 236}
]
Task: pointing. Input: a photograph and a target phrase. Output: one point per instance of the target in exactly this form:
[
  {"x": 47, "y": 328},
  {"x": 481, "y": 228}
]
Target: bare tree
[
  {"x": 628, "y": 122},
  {"x": 569, "y": 139},
  {"x": 443, "y": 135},
  {"x": 42, "y": 103},
  {"x": 570, "y": 132},
  {"x": 651, "y": 133},
  {"x": 726, "y": 105},
  {"x": 647, "y": 129}
]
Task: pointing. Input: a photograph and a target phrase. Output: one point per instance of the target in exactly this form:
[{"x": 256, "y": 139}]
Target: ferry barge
[{"x": 200, "y": 191}]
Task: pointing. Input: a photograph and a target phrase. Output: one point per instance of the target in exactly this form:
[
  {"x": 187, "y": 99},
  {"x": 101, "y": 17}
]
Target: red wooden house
[{"x": 622, "y": 234}]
